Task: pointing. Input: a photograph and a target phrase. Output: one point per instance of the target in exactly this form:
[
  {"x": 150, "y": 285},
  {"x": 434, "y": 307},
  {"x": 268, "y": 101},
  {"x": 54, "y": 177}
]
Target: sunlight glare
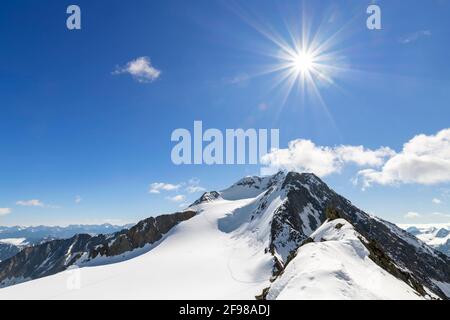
[{"x": 302, "y": 62}]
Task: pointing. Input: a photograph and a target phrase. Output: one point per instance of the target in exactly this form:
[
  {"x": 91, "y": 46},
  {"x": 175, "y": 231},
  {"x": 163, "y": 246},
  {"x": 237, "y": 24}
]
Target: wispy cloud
[
  {"x": 193, "y": 186},
  {"x": 436, "y": 201},
  {"x": 412, "y": 215},
  {"x": 141, "y": 69},
  {"x": 190, "y": 187},
  {"x": 416, "y": 215},
  {"x": 78, "y": 199},
  {"x": 177, "y": 198},
  {"x": 157, "y": 187},
  {"x": 30, "y": 203},
  {"x": 240, "y": 80},
  {"x": 5, "y": 211},
  {"x": 413, "y": 37},
  {"x": 441, "y": 214},
  {"x": 195, "y": 189},
  {"x": 35, "y": 203}
]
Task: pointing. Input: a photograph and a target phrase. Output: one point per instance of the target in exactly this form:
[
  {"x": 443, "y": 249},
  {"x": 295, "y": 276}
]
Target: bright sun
[
  {"x": 307, "y": 61},
  {"x": 302, "y": 62}
]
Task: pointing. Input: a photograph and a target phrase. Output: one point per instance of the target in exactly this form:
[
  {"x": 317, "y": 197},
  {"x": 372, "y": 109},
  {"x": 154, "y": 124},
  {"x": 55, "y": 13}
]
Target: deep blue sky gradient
[{"x": 70, "y": 127}]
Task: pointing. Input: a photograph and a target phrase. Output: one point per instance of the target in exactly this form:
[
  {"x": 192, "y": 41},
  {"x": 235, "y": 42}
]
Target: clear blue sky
[{"x": 71, "y": 127}]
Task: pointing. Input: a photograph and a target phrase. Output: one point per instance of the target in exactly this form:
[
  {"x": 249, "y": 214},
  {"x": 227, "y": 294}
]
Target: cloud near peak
[
  {"x": 157, "y": 187},
  {"x": 304, "y": 155},
  {"x": 425, "y": 159},
  {"x": 177, "y": 198}
]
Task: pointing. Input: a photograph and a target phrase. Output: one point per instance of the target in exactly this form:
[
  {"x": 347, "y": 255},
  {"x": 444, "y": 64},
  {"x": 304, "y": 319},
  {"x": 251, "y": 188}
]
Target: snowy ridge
[{"x": 336, "y": 265}]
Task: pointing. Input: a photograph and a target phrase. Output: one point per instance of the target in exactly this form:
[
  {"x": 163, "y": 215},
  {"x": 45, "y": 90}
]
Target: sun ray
[{"x": 307, "y": 56}]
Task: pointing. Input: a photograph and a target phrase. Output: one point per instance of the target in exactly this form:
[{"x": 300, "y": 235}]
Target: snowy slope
[
  {"x": 195, "y": 260},
  {"x": 337, "y": 266}
]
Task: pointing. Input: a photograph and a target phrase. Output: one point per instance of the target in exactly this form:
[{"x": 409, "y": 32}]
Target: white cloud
[
  {"x": 303, "y": 155},
  {"x": 140, "y": 69},
  {"x": 436, "y": 201},
  {"x": 415, "y": 215},
  {"x": 194, "y": 186},
  {"x": 157, "y": 187},
  {"x": 5, "y": 211},
  {"x": 440, "y": 214},
  {"x": 30, "y": 203},
  {"x": 36, "y": 203},
  {"x": 177, "y": 198},
  {"x": 423, "y": 160},
  {"x": 364, "y": 157},
  {"x": 412, "y": 215},
  {"x": 195, "y": 189},
  {"x": 78, "y": 199},
  {"x": 415, "y": 36}
]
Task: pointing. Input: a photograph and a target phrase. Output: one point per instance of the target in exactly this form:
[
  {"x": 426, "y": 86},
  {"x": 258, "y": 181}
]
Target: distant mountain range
[
  {"x": 14, "y": 239},
  {"x": 286, "y": 236},
  {"x": 435, "y": 235}
]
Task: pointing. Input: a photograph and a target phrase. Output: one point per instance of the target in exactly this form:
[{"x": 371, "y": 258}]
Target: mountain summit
[{"x": 286, "y": 236}]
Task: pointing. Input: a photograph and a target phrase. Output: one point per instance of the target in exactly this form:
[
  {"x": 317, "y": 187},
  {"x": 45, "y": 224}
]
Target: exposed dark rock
[
  {"x": 8, "y": 250},
  {"x": 206, "y": 197},
  {"x": 303, "y": 191},
  {"x": 339, "y": 226},
  {"x": 442, "y": 233},
  {"x": 263, "y": 295},
  {"x": 332, "y": 214}
]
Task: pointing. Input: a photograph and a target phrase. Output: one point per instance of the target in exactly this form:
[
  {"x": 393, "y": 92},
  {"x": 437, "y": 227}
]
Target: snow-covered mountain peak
[
  {"x": 206, "y": 197},
  {"x": 251, "y": 187}
]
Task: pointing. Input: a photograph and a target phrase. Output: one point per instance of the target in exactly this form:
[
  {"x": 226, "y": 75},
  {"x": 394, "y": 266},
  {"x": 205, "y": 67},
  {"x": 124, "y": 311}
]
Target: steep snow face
[
  {"x": 14, "y": 241},
  {"x": 251, "y": 187},
  {"x": 336, "y": 265},
  {"x": 434, "y": 235},
  {"x": 285, "y": 210},
  {"x": 194, "y": 260}
]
